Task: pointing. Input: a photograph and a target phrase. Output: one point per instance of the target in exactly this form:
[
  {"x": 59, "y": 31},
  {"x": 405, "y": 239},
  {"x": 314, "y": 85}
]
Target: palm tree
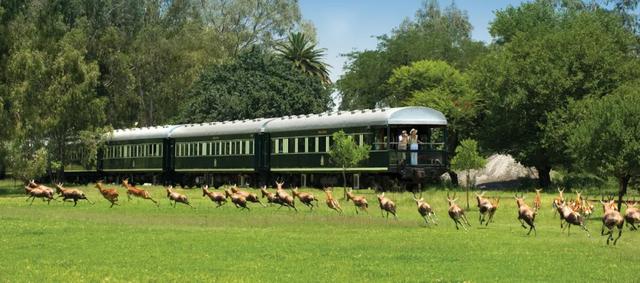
[{"x": 302, "y": 52}]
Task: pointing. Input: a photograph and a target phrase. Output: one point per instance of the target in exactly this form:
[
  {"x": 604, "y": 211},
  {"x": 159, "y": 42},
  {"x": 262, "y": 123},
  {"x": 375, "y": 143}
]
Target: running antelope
[
  {"x": 611, "y": 219},
  {"x": 73, "y": 194},
  {"x": 284, "y": 198},
  {"x": 38, "y": 193},
  {"x": 537, "y": 202},
  {"x": 571, "y": 218},
  {"x": 271, "y": 197},
  {"x": 132, "y": 190},
  {"x": 485, "y": 206},
  {"x": 237, "y": 199},
  {"x": 359, "y": 201},
  {"x": 109, "y": 194},
  {"x": 32, "y": 184},
  {"x": 425, "y": 209},
  {"x": 176, "y": 197},
  {"x": 332, "y": 202},
  {"x": 526, "y": 214},
  {"x": 305, "y": 198},
  {"x": 216, "y": 197},
  {"x": 456, "y": 213},
  {"x": 557, "y": 201},
  {"x": 250, "y": 197},
  {"x": 387, "y": 205},
  {"x": 632, "y": 215}
]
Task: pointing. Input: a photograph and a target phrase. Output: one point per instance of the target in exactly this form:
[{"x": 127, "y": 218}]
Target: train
[{"x": 293, "y": 148}]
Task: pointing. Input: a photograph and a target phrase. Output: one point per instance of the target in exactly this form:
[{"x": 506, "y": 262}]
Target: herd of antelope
[{"x": 571, "y": 212}]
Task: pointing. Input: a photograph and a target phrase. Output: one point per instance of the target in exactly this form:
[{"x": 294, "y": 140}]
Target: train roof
[
  {"x": 411, "y": 115},
  {"x": 158, "y": 132},
  {"x": 237, "y": 127}
]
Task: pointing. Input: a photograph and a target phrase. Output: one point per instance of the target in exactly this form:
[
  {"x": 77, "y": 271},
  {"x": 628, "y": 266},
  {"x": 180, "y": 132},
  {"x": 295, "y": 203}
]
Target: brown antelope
[
  {"x": 526, "y": 214},
  {"x": 571, "y": 218},
  {"x": 73, "y": 194},
  {"x": 284, "y": 198},
  {"x": 577, "y": 204},
  {"x": 485, "y": 207},
  {"x": 387, "y": 205},
  {"x": 632, "y": 215},
  {"x": 109, "y": 194},
  {"x": 237, "y": 199},
  {"x": 250, "y": 197},
  {"x": 271, "y": 197},
  {"x": 132, "y": 190},
  {"x": 359, "y": 201},
  {"x": 456, "y": 213},
  {"x": 611, "y": 219},
  {"x": 32, "y": 184},
  {"x": 425, "y": 210},
  {"x": 332, "y": 202},
  {"x": 38, "y": 193},
  {"x": 305, "y": 198},
  {"x": 176, "y": 197},
  {"x": 537, "y": 202},
  {"x": 216, "y": 197},
  {"x": 587, "y": 208},
  {"x": 556, "y": 201}
]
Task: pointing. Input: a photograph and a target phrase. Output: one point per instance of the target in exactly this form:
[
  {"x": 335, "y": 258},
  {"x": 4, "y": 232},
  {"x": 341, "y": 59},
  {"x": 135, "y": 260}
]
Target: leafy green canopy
[
  {"x": 257, "y": 84},
  {"x": 346, "y": 153},
  {"x": 467, "y": 156},
  {"x": 302, "y": 52},
  {"x": 565, "y": 55},
  {"x": 603, "y": 134},
  {"x": 435, "y": 34}
]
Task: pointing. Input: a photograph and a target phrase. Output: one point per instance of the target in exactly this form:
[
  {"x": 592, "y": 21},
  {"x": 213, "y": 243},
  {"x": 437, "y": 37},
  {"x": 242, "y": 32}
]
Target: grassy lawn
[{"x": 138, "y": 241}]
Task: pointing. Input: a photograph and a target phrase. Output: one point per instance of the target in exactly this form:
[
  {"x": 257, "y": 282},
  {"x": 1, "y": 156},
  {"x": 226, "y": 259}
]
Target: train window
[
  {"x": 217, "y": 148},
  {"x": 280, "y": 147},
  {"x": 239, "y": 147},
  {"x": 291, "y": 145},
  {"x": 285, "y": 145},
  {"x": 159, "y": 149},
  {"x": 300, "y": 145},
  {"x": 250, "y": 147},
  {"x": 360, "y": 139},
  {"x": 274, "y": 146},
  {"x": 322, "y": 143}
]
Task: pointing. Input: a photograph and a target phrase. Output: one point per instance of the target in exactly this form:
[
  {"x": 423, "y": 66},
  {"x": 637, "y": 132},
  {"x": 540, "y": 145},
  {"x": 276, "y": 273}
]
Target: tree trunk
[
  {"x": 624, "y": 182},
  {"x": 468, "y": 185},
  {"x": 454, "y": 178},
  {"x": 344, "y": 182},
  {"x": 544, "y": 176}
]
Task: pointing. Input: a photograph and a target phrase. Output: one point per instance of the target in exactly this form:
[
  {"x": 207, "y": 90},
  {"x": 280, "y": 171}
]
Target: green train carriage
[
  {"x": 294, "y": 148},
  {"x": 142, "y": 154},
  {"x": 300, "y": 146}
]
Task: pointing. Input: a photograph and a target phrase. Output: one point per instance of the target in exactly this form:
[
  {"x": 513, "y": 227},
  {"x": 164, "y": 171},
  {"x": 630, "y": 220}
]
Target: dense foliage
[
  {"x": 434, "y": 34},
  {"x": 68, "y": 67},
  {"x": 546, "y": 56},
  {"x": 255, "y": 85}
]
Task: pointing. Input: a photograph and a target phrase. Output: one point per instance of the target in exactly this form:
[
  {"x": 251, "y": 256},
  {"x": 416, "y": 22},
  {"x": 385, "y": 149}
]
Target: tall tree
[
  {"x": 257, "y": 84},
  {"x": 434, "y": 34},
  {"x": 305, "y": 56},
  {"x": 539, "y": 68},
  {"x": 603, "y": 136},
  {"x": 245, "y": 23}
]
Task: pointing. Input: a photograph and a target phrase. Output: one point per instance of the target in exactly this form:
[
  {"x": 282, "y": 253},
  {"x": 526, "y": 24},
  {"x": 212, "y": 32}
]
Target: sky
[{"x": 343, "y": 26}]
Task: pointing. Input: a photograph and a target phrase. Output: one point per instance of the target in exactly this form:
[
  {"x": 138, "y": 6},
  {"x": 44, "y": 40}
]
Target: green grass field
[{"x": 138, "y": 241}]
